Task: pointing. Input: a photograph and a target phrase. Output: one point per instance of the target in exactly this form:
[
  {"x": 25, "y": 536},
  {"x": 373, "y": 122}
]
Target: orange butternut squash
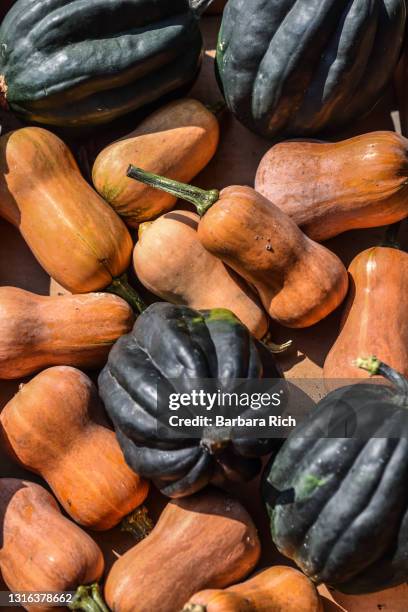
[
  {"x": 74, "y": 234},
  {"x": 298, "y": 280},
  {"x": 54, "y": 427},
  {"x": 171, "y": 262},
  {"x": 374, "y": 320},
  {"x": 41, "y": 550},
  {"x": 276, "y": 589},
  {"x": 204, "y": 540},
  {"x": 39, "y": 331},
  {"x": 178, "y": 140},
  {"x": 330, "y": 187}
]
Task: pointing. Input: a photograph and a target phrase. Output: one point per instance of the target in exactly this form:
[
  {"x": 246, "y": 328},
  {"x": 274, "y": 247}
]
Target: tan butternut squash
[
  {"x": 374, "y": 321},
  {"x": 299, "y": 281},
  {"x": 171, "y": 262},
  {"x": 204, "y": 540},
  {"x": 39, "y": 331},
  {"x": 178, "y": 140},
  {"x": 330, "y": 187},
  {"x": 73, "y": 233},
  {"x": 54, "y": 427},
  {"x": 276, "y": 589},
  {"x": 41, "y": 550}
]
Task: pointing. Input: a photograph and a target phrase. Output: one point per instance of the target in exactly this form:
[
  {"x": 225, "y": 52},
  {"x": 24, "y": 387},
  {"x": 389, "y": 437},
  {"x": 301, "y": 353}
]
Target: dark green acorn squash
[
  {"x": 338, "y": 506},
  {"x": 298, "y": 67},
  {"x": 76, "y": 63},
  {"x": 175, "y": 342}
]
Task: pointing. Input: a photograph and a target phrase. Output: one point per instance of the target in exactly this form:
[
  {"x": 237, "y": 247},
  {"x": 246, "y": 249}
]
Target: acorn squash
[
  {"x": 297, "y": 67},
  {"x": 75, "y": 63},
  {"x": 338, "y": 505},
  {"x": 171, "y": 348}
]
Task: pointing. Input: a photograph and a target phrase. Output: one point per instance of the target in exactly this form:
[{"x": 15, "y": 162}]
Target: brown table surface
[{"x": 235, "y": 163}]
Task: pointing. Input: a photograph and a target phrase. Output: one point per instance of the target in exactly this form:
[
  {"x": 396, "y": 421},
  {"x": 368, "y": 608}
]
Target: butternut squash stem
[
  {"x": 88, "y": 599},
  {"x": 274, "y": 348},
  {"x": 194, "y": 608},
  {"x": 374, "y": 366},
  {"x": 201, "y": 199},
  {"x": 138, "y": 523},
  {"x": 120, "y": 286}
]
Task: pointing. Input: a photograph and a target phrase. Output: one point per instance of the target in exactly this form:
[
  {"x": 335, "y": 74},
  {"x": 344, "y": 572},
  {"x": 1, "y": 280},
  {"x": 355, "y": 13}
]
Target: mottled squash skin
[
  {"x": 41, "y": 549},
  {"x": 206, "y": 539},
  {"x": 331, "y": 187},
  {"x": 38, "y": 331},
  {"x": 54, "y": 426}
]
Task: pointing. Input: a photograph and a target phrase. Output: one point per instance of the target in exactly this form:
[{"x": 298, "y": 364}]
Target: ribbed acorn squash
[
  {"x": 297, "y": 67},
  {"x": 338, "y": 505},
  {"x": 170, "y": 348},
  {"x": 76, "y": 63}
]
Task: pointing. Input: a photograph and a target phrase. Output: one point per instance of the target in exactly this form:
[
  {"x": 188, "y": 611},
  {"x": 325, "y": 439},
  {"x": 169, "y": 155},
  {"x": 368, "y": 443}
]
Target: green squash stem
[
  {"x": 201, "y": 199},
  {"x": 138, "y": 523},
  {"x": 120, "y": 286},
  {"x": 88, "y": 599},
  {"x": 374, "y": 366}
]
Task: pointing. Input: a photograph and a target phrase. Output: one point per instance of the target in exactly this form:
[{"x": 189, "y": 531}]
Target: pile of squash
[{"x": 162, "y": 280}]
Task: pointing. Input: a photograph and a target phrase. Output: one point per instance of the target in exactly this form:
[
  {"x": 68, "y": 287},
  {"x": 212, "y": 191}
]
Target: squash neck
[
  {"x": 3, "y": 93},
  {"x": 201, "y": 199},
  {"x": 88, "y": 599},
  {"x": 374, "y": 367},
  {"x": 120, "y": 286}
]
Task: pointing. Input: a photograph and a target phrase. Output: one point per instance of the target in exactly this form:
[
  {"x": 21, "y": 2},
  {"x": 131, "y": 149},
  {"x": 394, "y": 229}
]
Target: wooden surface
[{"x": 236, "y": 162}]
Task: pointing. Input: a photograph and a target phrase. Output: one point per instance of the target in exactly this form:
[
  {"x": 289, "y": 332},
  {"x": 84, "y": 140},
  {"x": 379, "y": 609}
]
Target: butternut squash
[
  {"x": 329, "y": 188},
  {"x": 374, "y": 320},
  {"x": 276, "y": 589},
  {"x": 54, "y": 427},
  {"x": 178, "y": 140},
  {"x": 299, "y": 281},
  {"x": 41, "y": 550},
  {"x": 207, "y": 539},
  {"x": 76, "y": 236},
  {"x": 171, "y": 262},
  {"x": 39, "y": 331}
]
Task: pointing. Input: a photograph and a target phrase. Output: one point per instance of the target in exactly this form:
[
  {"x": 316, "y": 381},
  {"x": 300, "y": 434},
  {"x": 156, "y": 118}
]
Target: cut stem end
[
  {"x": 138, "y": 523},
  {"x": 369, "y": 364},
  {"x": 88, "y": 599}
]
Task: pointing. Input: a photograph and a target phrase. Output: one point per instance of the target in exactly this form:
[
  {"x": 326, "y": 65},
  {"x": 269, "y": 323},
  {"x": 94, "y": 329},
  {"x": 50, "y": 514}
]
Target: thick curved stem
[
  {"x": 138, "y": 523},
  {"x": 88, "y": 599},
  {"x": 374, "y": 366},
  {"x": 194, "y": 608},
  {"x": 201, "y": 199},
  {"x": 120, "y": 286}
]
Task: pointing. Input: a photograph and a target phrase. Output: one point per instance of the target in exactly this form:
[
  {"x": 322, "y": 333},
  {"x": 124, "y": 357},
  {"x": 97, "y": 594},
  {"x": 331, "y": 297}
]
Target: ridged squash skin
[
  {"x": 170, "y": 261},
  {"x": 73, "y": 63},
  {"x": 171, "y": 346},
  {"x": 338, "y": 505},
  {"x": 37, "y": 331},
  {"x": 331, "y": 187},
  {"x": 298, "y": 67},
  {"x": 73, "y": 233},
  {"x": 41, "y": 549},
  {"x": 374, "y": 320},
  {"x": 205, "y": 539},
  {"x": 178, "y": 140},
  {"x": 54, "y": 426}
]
